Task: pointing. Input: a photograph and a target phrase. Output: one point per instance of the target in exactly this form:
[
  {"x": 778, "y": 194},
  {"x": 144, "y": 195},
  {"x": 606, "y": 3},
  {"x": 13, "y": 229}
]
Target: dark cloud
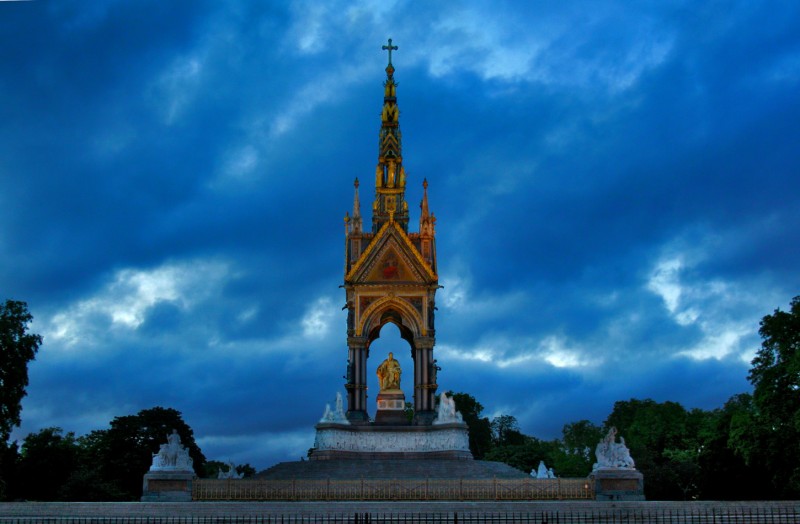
[{"x": 614, "y": 192}]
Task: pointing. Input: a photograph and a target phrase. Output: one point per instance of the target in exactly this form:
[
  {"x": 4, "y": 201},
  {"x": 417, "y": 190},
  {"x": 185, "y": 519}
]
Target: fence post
[
  {"x": 328, "y": 490},
  {"x": 495, "y": 487}
]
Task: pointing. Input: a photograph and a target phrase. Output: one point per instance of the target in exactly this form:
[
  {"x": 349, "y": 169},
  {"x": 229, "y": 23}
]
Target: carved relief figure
[
  {"x": 434, "y": 369},
  {"x": 172, "y": 455},
  {"x": 350, "y": 316},
  {"x": 389, "y": 374},
  {"x": 447, "y": 413},
  {"x": 613, "y": 454}
]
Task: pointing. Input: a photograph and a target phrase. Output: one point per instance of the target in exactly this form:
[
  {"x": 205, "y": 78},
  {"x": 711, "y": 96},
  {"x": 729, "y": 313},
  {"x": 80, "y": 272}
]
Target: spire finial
[
  {"x": 356, "y": 209},
  {"x": 389, "y": 48},
  {"x": 424, "y": 205}
]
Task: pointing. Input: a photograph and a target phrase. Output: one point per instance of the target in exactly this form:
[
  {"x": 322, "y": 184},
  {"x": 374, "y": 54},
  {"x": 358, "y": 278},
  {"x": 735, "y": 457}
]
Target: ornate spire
[
  {"x": 423, "y": 206},
  {"x": 356, "y": 220},
  {"x": 390, "y": 177},
  {"x": 427, "y": 221}
]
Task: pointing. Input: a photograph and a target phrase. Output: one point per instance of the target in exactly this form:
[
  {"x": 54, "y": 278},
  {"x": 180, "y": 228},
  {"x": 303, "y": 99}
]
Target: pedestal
[
  {"x": 370, "y": 442},
  {"x": 617, "y": 484},
  {"x": 391, "y": 409},
  {"x": 167, "y": 486}
]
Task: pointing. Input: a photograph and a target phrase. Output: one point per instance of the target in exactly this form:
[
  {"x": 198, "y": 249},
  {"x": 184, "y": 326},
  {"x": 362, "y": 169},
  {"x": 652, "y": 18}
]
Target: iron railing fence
[
  {"x": 756, "y": 515},
  {"x": 394, "y": 489}
]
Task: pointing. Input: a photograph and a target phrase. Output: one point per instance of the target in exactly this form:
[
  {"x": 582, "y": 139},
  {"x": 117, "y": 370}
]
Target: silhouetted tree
[
  {"x": 480, "y": 431},
  {"x": 579, "y": 440},
  {"x": 665, "y": 442},
  {"x": 125, "y": 451},
  {"x": 723, "y": 473},
  {"x": 17, "y": 348},
  {"x": 505, "y": 431},
  {"x": 47, "y": 460},
  {"x": 769, "y": 434}
]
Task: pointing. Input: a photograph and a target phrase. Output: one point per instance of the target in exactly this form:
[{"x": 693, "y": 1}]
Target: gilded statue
[
  {"x": 391, "y": 174},
  {"x": 389, "y": 374}
]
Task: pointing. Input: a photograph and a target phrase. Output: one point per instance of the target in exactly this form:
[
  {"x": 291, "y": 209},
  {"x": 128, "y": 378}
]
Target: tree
[
  {"x": 480, "y": 431},
  {"x": 47, "y": 460},
  {"x": 723, "y": 473},
  {"x": 124, "y": 452},
  {"x": 772, "y": 435},
  {"x": 579, "y": 440},
  {"x": 664, "y": 440},
  {"x": 17, "y": 348},
  {"x": 9, "y": 458},
  {"x": 525, "y": 453},
  {"x": 505, "y": 431}
]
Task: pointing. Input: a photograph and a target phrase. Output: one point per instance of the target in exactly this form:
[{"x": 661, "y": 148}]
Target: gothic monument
[{"x": 390, "y": 276}]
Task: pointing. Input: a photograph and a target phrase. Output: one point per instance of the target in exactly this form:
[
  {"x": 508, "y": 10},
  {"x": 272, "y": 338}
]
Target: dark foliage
[
  {"x": 480, "y": 430},
  {"x": 17, "y": 348}
]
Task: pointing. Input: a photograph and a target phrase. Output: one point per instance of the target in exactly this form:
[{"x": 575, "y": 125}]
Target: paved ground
[{"x": 568, "y": 510}]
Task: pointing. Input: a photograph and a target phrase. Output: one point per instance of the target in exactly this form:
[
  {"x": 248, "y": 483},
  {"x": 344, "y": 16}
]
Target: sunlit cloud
[
  {"x": 176, "y": 88},
  {"x": 504, "y": 48},
  {"x": 555, "y": 351},
  {"x": 318, "y": 318},
  {"x": 725, "y": 313},
  {"x": 507, "y": 352},
  {"x": 124, "y": 302},
  {"x": 242, "y": 163},
  {"x": 457, "y": 295}
]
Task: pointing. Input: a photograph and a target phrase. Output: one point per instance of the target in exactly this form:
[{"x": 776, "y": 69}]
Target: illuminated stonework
[
  {"x": 390, "y": 274},
  {"x": 451, "y": 438}
]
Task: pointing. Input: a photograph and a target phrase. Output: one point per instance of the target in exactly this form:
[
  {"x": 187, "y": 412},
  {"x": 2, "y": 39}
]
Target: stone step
[{"x": 390, "y": 469}]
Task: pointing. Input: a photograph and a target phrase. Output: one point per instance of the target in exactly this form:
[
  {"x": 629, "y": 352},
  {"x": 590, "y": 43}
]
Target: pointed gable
[{"x": 391, "y": 258}]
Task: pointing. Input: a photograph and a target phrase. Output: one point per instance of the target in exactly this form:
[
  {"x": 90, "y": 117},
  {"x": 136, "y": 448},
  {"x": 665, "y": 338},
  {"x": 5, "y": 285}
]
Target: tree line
[
  {"x": 749, "y": 449},
  {"x": 746, "y": 450},
  {"x": 104, "y": 465}
]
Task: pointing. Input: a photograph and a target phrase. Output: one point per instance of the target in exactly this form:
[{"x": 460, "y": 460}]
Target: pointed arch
[{"x": 391, "y": 309}]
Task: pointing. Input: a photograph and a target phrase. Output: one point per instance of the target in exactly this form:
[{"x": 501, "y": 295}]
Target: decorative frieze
[{"x": 394, "y": 441}]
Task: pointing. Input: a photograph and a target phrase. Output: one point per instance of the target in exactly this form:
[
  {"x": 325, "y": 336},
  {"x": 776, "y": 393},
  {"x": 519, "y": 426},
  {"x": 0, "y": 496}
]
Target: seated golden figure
[{"x": 389, "y": 374}]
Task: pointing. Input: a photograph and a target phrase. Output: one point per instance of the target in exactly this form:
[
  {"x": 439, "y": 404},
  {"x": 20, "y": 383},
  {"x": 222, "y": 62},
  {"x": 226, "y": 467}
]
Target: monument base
[
  {"x": 345, "y": 441},
  {"x": 617, "y": 484},
  {"x": 167, "y": 486},
  {"x": 391, "y": 409}
]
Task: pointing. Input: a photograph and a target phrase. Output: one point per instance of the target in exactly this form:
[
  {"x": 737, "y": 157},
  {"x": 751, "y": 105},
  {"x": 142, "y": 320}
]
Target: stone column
[
  {"x": 424, "y": 385},
  {"x": 357, "y": 383}
]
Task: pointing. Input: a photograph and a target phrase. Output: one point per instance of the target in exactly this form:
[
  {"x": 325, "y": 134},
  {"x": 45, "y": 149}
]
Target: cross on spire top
[{"x": 389, "y": 48}]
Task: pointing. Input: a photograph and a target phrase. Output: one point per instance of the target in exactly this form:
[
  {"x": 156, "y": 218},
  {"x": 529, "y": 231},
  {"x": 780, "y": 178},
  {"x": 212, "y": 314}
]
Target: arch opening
[{"x": 389, "y": 338}]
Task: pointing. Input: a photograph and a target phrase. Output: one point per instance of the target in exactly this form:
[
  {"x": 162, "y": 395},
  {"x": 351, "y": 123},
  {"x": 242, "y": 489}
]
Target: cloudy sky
[{"x": 616, "y": 186}]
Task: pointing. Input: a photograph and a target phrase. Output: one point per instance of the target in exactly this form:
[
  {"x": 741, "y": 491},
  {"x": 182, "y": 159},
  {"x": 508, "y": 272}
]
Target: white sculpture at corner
[
  {"x": 230, "y": 474},
  {"x": 172, "y": 456},
  {"x": 613, "y": 454},
  {"x": 337, "y": 415},
  {"x": 542, "y": 472},
  {"x": 447, "y": 413}
]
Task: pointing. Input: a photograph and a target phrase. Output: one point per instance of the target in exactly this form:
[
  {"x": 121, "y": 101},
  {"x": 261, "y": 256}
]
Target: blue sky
[{"x": 616, "y": 186}]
